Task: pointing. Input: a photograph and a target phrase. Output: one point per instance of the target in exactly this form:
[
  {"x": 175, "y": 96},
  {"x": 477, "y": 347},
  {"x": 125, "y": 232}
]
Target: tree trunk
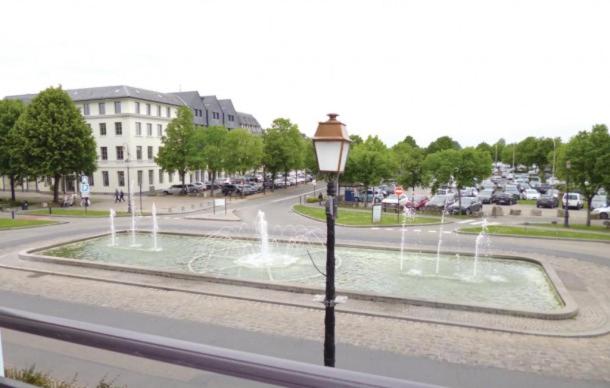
[
  {"x": 459, "y": 189},
  {"x": 56, "y": 188},
  {"x": 213, "y": 174},
  {"x": 182, "y": 178},
  {"x": 366, "y": 196},
  {"x": 264, "y": 177},
  {"x": 285, "y": 179},
  {"x": 589, "y": 200},
  {"x": 13, "y": 188},
  {"x": 273, "y": 175}
]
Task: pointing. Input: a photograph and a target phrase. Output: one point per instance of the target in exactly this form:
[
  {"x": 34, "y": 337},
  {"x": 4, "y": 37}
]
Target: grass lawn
[
  {"x": 74, "y": 212},
  {"x": 527, "y": 202},
  {"x": 362, "y": 217},
  {"x": 537, "y": 232},
  {"x": 594, "y": 228},
  {"x": 7, "y": 223}
]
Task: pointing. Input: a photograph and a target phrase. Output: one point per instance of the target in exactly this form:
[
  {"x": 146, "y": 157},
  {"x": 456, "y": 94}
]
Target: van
[{"x": 574, "y": 201}]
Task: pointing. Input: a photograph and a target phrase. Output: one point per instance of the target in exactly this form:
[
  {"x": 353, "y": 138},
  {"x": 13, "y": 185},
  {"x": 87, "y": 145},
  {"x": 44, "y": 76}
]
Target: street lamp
[
  {"x": 331, "y": 144},
  {"x": 566, "y": 215}
]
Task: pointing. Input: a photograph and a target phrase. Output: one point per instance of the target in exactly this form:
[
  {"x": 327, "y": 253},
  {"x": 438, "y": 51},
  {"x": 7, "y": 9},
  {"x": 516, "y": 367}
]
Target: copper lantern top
[{"x": 332, "y": 129}]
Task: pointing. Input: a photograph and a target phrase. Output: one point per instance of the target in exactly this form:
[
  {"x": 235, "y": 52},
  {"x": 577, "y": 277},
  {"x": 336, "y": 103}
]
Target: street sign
[
  {"x": 376, "y": 214},
  {"x": 84, "y": 187}
]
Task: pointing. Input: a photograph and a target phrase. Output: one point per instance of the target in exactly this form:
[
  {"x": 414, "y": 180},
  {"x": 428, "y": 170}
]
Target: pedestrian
[
  {"x": 116, "y": 196},
  {"x": 121, "y": 196},
  {"x": 320, "y": 198}
]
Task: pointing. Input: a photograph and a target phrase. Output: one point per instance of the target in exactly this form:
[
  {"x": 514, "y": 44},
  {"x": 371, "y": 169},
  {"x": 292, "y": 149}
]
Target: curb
[
  {"x": 53, "y": 223},
  {"x": 538, "y": 238},
  {"x": 372, "y": 226}
]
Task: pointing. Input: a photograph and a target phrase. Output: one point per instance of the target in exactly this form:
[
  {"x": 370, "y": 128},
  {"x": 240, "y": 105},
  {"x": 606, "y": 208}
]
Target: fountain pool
[{"x": 502, "y": 285}]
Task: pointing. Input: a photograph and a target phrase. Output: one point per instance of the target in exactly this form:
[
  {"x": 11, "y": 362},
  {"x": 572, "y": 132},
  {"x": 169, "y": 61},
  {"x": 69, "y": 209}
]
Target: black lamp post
[
  {"x": 332, "y": 146},
  {"x": 566, "y": 212}
]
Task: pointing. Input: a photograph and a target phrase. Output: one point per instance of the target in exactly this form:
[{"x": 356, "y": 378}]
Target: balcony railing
[{"x": 228, "y": 362}]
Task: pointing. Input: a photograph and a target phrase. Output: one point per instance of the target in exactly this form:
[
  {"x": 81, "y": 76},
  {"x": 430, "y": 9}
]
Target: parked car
[
  {"x": 485, "y": 195},
  {"x": 394, "y": 200},
  {"x": 229, "y": 188},
  {"x": 543, "y": 188},
  {"x": 440, "y": 202},
  {"x": 547, "y": 200},
  {"x": 469, "y": 206},
  {"x": 599, "y": 201},
  {"x": 574, "y": 200},
  {"x": 199, "y": 186},
  {"x": 512, "y": 190},
  {"x": 370, "y": 196},
  {"x": 179, "y": 189},
  {"x": 530, "y": 194},
  {"x": 602, "y": 212},
  {"x": 417, "y": 201},
  {"x": 503, "y": 198}
]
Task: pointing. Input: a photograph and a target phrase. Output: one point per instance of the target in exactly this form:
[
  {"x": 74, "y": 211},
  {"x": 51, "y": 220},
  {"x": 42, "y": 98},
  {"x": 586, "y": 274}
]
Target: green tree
[
  {"x": 409, "y": 163},
  {"x": 464, "y": 167},
  {"x": 534, "y": 151},
  {"x": 589, "y": 156},
  {"x": 310, "y": 161},
  {"x": 410, "y": 141},
  {"x": 442, "y": 143},
  {"x": 356, "y": 139},
  {"x": 53, "y": 138},
  {"x": 284, "y": 148},
  {"x": 508, "y": 152},
  {"x": 176, "y": 152},
  {"x": 243, "y": 151},
  {"x": 498, "y": 149},
  {"x": 486, "y": 148},
  {"x": 10, "y": 110},
  {"x": 370, "y": 162},
  {"x": 209, "y": 151}
]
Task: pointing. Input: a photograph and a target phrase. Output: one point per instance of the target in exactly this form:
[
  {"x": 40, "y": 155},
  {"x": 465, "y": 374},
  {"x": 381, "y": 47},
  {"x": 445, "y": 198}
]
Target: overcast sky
[{"x": 474, "y": 70}]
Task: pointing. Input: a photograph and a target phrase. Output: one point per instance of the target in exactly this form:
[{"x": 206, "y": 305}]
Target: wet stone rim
[{"x": 569, "y": 309}]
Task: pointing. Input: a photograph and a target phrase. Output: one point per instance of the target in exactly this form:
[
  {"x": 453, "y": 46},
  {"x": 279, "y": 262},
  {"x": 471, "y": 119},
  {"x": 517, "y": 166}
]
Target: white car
[
  {"x": 574, "y": 200},
  {"x": 530, "y": 194},
  {"x": 603, "y": 212},
  {"x": 393, "y": 200}
]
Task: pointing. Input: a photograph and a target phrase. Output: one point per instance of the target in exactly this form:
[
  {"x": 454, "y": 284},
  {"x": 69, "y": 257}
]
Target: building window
[
  {"x": 104, "y": 153},
  {"x": 102, "y": 108},
  {"x": 216, "y": 115},
  {"x": 86, "y": 110},
  {"x": 91, "y": 181},
  {"x": 148, "y": 109},
  {"x": 170, "y": 177},
  {"x": 140, "y": 173},
  {"x": 151, "y": 177},
  {"x": 168, "y": 112},
  {"x": 117, "y": 107},
  {"x": 150, "y": 153},
  {"x": 105, "y": 179},
  {"x": 137, "y": 107},
  {"x": 121, "y": 177},
  {"x": 160, "y": 176},
  {"x": 139, "y": 152},
  {"x": 231, "y": 117},
  {"x": 119, "y": 153},
  {"x": 148, "y": 129},
  {"x": 102, "y": 129},
  {"x": 159, "y": 110},
  {"x": 138, "y": 129},
  {"x": 159, "y": 130},
  {"x": 118, "y": 128}
]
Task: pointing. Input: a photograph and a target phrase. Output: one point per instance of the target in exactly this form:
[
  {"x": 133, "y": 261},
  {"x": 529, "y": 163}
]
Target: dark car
[
  {"x": 549, "y": 201},
  {"x": 228, "y": 189},
  {"x": 512, "y": 190},
  {"x": 469, "y": 206},
  {"x": 416, "y": 202},
  {"x": 503, "y": 198}
]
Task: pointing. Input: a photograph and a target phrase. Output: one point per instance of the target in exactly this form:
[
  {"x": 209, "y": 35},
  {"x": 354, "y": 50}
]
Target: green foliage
[
  {"x": 410, "y": 141},
  {"x": 53, "y": 139},
  {"x": 10, "y": 111},
  {"x": 243, "y": 151},
  {"x": 368, "y": 163},
  {"x": 176, "y": 153},
  {"x": 506, "y": 156},
  {"x": 34, "y": 377},
  {"x": 209, "y": 150},
  {"x": 498, "y": 148},
  {"x": 310, "y": 161},
  {"x": 589, "y": 156},
  {"x": 486, "y": 148},
  {"x": 284, "y": 147},
  {"x": 410, "y": 161},
  {"x": 534, "y": 151},
  {"x": 356, "y": 140},
  {"x": 442, "y": 143},
  {"x": 465, "y": 167}
]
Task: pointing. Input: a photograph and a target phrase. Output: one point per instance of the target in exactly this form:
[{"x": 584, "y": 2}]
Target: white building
[{"x": 127, "y": 124}]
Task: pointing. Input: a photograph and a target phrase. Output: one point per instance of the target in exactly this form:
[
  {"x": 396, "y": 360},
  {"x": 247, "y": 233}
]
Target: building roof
[{"x": 110, "y": 92}]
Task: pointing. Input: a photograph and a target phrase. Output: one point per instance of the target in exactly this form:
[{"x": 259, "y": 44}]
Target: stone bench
[
  {"x": 515, "y": 212},
  {"x": 536, "y": 212}
]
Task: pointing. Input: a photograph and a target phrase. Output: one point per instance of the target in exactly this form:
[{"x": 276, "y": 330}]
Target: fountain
[
  {"x": 440, "y": 236},
  {"x": 155, "y": 228},
  {"x": 133, "y": 219},
  {"x": 481, "y": 238},
  {"x": 112, "y": 230},
  {"x": 409, "y": 214}
]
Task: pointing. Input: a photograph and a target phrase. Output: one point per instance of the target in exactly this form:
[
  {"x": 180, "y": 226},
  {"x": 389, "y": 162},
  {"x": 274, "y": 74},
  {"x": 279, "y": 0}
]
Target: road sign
[{"x": 84, "y": 187}]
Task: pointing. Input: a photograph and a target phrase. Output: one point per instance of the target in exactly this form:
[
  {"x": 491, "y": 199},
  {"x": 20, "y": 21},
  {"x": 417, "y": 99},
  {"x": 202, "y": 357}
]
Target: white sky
[{"x": 474, "y": 70}]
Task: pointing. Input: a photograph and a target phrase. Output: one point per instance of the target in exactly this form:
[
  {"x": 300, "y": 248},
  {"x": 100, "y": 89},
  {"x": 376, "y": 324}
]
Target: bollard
[{"x": 12, "y": 214}]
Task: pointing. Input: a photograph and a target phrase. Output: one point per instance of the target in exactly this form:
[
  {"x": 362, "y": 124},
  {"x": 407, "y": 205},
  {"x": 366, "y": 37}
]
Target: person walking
[
  {"x": 116, "y": 196},
  {"x": 121, "y": 196}
]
